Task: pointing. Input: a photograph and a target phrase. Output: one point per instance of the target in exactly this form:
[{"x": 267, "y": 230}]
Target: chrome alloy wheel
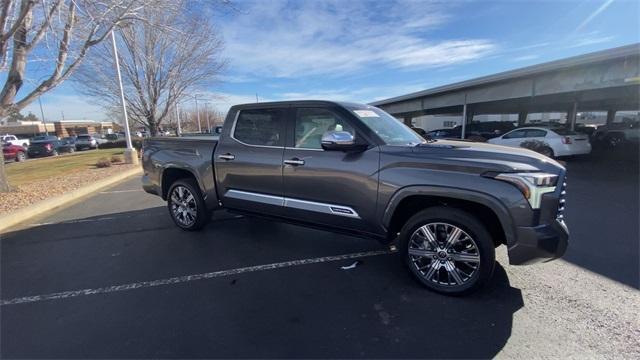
[
  {"x": 183, "y": 206},
  {"x": 444, "y": 254}
]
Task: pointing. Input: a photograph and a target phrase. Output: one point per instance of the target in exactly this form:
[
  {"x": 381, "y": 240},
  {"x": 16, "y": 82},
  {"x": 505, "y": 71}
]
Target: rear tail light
[
  {"x": 566, "y": 140},
  {"x": 48, "y": 146}
]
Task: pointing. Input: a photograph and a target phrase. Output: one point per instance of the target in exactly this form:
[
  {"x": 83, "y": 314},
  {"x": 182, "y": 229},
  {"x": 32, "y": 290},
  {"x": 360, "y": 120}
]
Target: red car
[{"x": 14, "y": 152}]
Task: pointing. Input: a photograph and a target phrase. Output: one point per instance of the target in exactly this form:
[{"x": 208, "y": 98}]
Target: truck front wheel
[
  {"x": 186, "y": 205},
  {"x": 447, "y": 250}
]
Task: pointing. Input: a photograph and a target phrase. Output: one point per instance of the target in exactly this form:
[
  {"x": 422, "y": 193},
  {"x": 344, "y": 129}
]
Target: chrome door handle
[
  {"x": 294, "y": 162},
  {"x": 226, "y": 156}
]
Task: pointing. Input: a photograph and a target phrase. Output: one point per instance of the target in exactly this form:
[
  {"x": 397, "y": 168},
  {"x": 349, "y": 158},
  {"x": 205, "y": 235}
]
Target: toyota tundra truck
[{"x": 354, "y": 169}]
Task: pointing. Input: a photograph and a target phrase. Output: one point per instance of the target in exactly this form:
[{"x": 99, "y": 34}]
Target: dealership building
[{"x": 597, "y": 88}]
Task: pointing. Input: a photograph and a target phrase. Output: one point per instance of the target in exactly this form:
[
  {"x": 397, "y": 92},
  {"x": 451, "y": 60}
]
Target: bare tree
[
  {"x": 161, "y": 60},
  {"x": 54, "y": 36}
]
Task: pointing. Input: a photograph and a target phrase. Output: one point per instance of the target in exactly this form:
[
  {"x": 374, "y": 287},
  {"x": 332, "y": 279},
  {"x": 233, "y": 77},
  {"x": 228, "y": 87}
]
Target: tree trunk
[
  {"x": 4, "y": 181},
  {"x": 153, "y": 126}
]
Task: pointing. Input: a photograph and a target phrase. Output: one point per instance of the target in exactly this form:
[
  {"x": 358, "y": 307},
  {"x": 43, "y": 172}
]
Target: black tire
[
  {"x": 21, "y": 156},
  {"x": 472, "y": 232},
  {"x": 195, "y": 209}
]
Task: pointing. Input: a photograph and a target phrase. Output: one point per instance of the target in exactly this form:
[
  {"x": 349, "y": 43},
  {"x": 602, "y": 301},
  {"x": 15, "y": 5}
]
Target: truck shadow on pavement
[{"x": 312, "y": 311}]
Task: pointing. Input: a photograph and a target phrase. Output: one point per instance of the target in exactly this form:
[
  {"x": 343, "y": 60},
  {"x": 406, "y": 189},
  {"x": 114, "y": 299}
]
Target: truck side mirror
[{"x": 338, "y": 140}]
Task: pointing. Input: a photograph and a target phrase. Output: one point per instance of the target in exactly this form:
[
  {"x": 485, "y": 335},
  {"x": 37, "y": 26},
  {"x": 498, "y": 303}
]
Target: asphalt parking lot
[{"x": 151, "y": 290}]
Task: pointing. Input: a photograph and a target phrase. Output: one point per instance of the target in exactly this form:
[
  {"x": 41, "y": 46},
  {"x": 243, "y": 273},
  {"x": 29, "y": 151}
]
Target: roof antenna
[{"x": 257, "y": 98}]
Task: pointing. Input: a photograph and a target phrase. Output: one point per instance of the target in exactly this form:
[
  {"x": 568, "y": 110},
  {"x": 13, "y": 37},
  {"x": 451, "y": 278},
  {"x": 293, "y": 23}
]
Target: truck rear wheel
[
  {"x": 447, "y": 250},
  {"x": 186, "y": 205}
]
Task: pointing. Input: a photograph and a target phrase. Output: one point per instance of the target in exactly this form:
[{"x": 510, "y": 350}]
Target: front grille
[{"x": 562, "y": 200}]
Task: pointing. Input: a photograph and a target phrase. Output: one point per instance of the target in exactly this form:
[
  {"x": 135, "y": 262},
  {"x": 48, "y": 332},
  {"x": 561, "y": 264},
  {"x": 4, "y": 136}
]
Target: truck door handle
[
  {"x": 226, "y": 156},
  {"x": 294, "y": 162}
]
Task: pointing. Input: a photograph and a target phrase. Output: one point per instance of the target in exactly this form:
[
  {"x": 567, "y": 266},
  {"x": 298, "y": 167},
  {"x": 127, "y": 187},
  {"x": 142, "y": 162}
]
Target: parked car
[
  {"x": 557, "y": 141},
  {"x": 44, "y": 138},
  {"x": 70, "y": 139},
  {"x": 50, "y": 148},
  {"x": 355, "y": 169},
  {"x": 13, "y": 140},
  {"x": 478, "y": 131},
  {"x": 114, "y": 137},
  {"x": 12, "y": 152},
  {"x": 100, "y": 139},
  {"x": 617, "y": 134},
  {"x": 419, "y": 131},
  {"x": 84, "y": 142}
]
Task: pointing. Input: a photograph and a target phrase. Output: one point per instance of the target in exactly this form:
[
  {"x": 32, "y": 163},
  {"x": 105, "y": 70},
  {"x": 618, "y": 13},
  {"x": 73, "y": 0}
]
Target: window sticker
[{"x": 366, "y": 113}]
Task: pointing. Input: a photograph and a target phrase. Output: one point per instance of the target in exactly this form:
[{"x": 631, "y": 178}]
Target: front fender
[{"x": 501, "y": 211}]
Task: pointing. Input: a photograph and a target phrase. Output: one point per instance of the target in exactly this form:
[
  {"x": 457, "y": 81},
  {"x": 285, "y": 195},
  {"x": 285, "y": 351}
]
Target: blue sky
[{"x": 369, "y": 50}]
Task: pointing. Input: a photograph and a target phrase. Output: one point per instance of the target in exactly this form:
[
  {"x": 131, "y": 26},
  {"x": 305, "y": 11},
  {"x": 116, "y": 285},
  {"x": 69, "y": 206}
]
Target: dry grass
[{"x": 51, "y": 167}]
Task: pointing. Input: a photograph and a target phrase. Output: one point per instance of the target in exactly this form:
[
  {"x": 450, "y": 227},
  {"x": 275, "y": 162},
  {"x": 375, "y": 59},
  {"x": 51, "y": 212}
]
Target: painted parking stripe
[
  {"x": 189, "y": 278},
  {"x": 120, "y": 191}
]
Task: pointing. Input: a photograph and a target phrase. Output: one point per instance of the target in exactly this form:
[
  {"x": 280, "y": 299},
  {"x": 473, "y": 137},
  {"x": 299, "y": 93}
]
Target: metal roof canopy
[{"x": 603, "y": 80}]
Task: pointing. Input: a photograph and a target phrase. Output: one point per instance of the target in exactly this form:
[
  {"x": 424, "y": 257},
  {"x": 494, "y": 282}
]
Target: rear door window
[
  {"x": 515, "y": 134},
  {"x": 536, "y": 133},
  {"x": 261, "y": 127}
]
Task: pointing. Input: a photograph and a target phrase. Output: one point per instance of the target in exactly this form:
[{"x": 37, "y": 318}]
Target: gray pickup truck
[{"x": 355, "y": 169}]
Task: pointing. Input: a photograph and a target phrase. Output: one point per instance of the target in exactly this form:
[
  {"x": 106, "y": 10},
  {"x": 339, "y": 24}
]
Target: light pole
[
  {"x": 198, "y": 114},
  {"x": 206, "y": 111},
  {"x": 46, "y": 131},
  {"x": 178, "y": 119},
  {"x": 130, "y": 154}
]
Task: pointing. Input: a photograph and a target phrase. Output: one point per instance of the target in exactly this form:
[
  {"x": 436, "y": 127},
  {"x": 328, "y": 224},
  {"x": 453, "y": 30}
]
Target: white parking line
[
  {"x": 188, "y": 278},
  {"x": 119, "y": 191}
]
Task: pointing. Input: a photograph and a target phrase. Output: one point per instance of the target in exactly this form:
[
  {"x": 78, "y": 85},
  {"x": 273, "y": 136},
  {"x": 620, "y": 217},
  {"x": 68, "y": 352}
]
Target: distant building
[{"x": 60, "y": 128}]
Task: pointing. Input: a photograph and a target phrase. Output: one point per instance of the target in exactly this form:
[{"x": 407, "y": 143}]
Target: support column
[
  {"x": 464, "y": 118},
  {"x": 611, "y": 115},
  {"x": 407, "y": 120},
  {"x": 571, "y": 115},
  {"x": 522, "y": 117}
]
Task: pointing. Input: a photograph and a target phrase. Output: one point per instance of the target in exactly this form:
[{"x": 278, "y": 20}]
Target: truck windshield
[{"x": 388, "y": 128}]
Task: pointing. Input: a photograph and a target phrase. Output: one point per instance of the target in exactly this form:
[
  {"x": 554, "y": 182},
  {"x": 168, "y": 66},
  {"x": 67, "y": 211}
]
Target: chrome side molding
[{"x": 331, "y": 209}]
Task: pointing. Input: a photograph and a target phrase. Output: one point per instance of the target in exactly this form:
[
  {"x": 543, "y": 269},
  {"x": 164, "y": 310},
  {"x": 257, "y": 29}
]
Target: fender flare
[
  {"x": 506, "y": 221},
  {"x": 182, "y": 167}
]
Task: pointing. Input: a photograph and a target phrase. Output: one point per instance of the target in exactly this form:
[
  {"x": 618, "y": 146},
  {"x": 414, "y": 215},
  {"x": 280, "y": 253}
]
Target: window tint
[
  {"x": 261, "y": 127},
  {"x": 515, "y": 134},
  {"x": 312, "y": 123},
  {"x": 536, "y": 133}
]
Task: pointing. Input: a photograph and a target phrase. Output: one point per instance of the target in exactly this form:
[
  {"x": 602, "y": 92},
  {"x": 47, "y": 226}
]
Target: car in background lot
[
  {"x": 12, "y": 139},
  {"x": 44, "y": 138},
  {"x": 84, "y": 142},
  {"x": 478, "y": 131},
  {"x": 557, "y": 141},
  {"x": 617, "y": 134},
  {"x": 50, "y": 148},
  {"x": 12, "y": 152},
  {"x": 100, "y": 139}
]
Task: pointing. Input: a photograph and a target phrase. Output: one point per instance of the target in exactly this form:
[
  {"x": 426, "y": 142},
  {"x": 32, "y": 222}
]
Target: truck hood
[{"x": 481, "y": 157}]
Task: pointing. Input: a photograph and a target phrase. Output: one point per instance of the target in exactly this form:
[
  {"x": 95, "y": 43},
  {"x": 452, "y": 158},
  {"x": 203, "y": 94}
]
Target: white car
[
  {"x": 13, "y": 140},
  {"x": 557, "y": 141}
]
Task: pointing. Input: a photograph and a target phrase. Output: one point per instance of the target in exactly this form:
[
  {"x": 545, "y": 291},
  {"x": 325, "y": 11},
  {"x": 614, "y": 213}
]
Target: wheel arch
[
  {"x": 171, "y": 174},
  {"x": 409, "y": 200}
]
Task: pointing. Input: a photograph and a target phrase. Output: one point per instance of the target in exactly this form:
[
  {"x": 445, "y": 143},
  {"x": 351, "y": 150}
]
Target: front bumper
[{"x": 539, "y": 243}]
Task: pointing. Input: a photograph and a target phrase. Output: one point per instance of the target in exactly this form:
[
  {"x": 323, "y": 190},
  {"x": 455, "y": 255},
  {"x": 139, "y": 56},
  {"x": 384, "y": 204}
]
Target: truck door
[
  {"x": 248, "y": 160},
  {"x": 333, "y": 188}
]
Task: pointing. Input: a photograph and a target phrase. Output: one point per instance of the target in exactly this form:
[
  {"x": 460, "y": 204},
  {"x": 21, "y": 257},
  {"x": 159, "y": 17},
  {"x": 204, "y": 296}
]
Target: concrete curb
[{"x": 9, "y": 220}]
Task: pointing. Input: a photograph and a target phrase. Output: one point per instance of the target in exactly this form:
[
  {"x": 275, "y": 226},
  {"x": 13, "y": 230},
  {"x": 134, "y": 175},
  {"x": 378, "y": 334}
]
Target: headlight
[{"x": 531, "y": 185}]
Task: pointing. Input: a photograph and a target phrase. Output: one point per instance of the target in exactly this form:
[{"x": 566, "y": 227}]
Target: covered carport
[{"x": 605, "y": 81}]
